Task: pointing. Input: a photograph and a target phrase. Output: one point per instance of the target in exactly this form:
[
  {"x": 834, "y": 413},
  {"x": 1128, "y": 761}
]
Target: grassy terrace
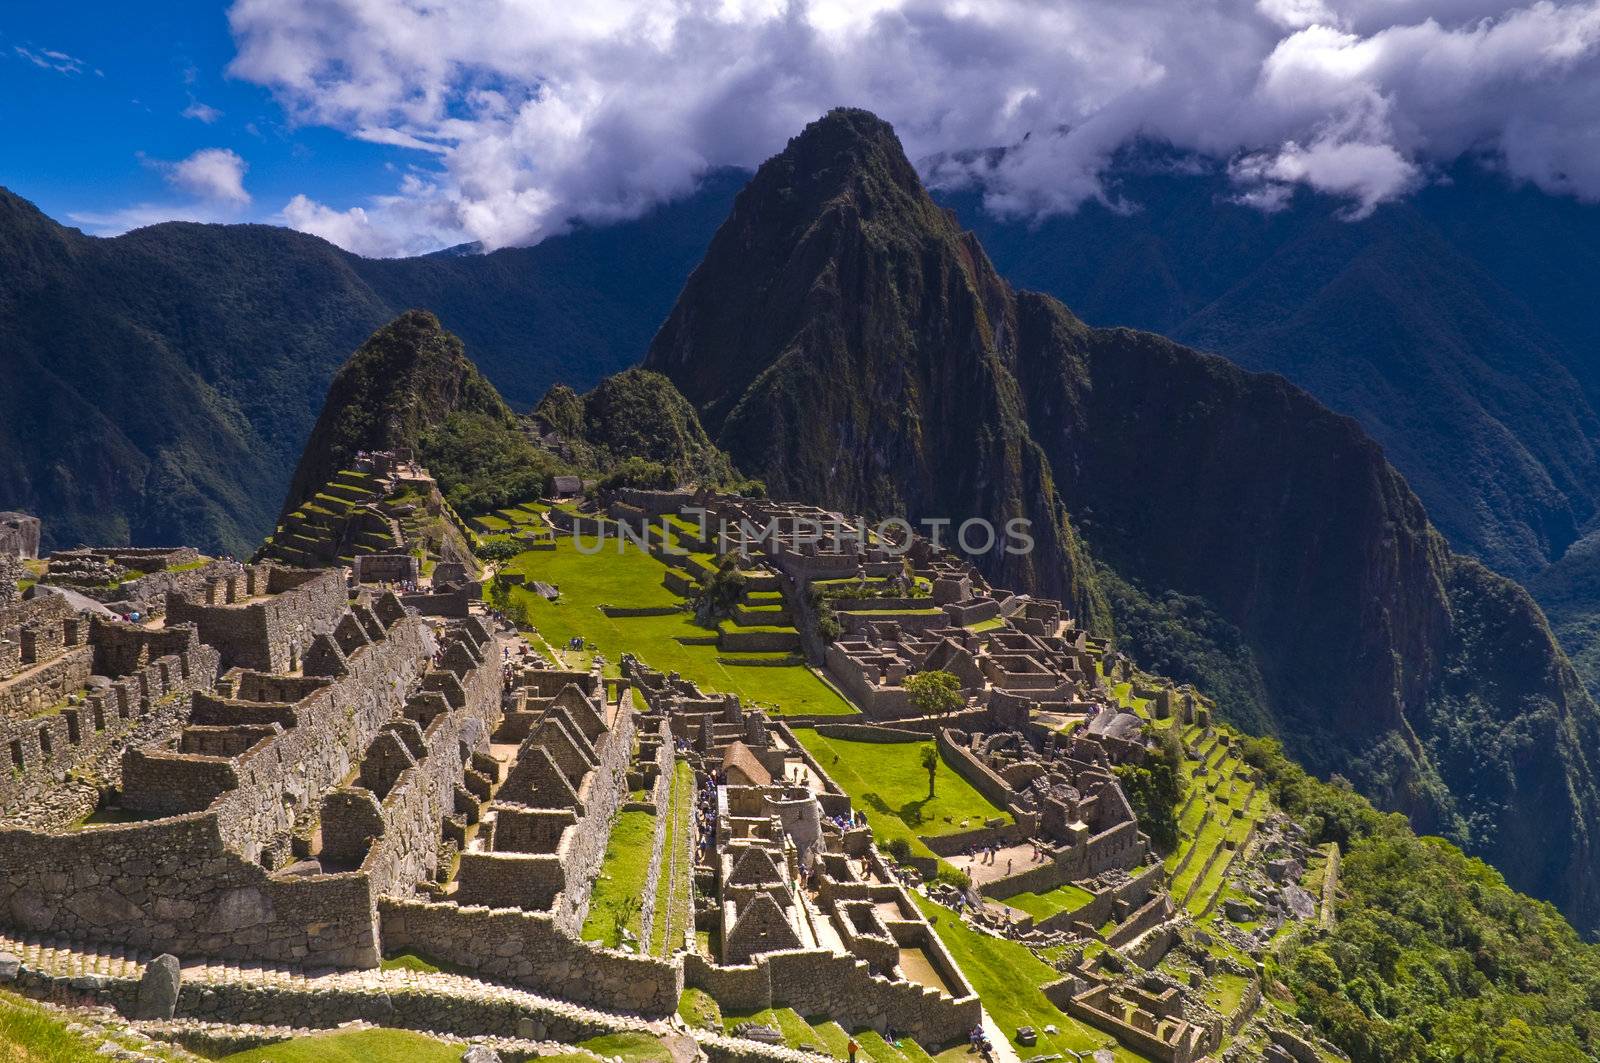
[
  {"x": 632, "y": 578},
  {"x": 622, "y": 876},
  {"x": 1008, "y": 977},
  {"x": 674, "y": 902},
  {"x": 888, "y": 782},
  {"x": 354, "y": 1046},
  {"x": 1064, "y": 898},
  {"x": 1208, "y": 824}
]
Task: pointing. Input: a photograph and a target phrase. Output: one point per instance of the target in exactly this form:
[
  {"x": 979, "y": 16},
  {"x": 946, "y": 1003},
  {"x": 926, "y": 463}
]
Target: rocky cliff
[{"x": 846, "y": 341}]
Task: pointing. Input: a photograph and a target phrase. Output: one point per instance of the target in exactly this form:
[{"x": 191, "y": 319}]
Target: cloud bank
[{"x": 525, "y": 115}]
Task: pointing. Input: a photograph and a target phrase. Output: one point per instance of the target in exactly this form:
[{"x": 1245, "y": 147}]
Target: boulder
[
  {"x": 158, "y": 989},
  {"x": 480, "y": 1054},
  {"x": 10, "y": 967},
  {"x": 1237, "y": 911},
  {"x": 1300, "y": 903}
]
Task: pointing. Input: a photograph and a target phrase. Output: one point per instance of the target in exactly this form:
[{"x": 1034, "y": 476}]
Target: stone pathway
[
  {"x": 1019, "y": 856},
  {"x": 90, "y": 967}
]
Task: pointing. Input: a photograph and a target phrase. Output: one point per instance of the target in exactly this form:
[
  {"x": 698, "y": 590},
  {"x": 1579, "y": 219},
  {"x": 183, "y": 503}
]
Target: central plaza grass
[
  {"x": 622, "y": 875},
  {"x": 1007, "y": 977},
  {"x": 887, "y": 781},
  {"x": 631, "y": 578}
]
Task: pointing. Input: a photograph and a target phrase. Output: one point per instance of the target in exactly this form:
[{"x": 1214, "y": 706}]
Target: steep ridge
[
  {"x": 1447, "y": 323},
  {"x": 845, "y": 341},
  {"x": 839, "y": 342}
]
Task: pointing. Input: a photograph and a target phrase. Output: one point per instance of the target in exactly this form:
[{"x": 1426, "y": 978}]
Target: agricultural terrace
[{"x": 624, "y": 576}]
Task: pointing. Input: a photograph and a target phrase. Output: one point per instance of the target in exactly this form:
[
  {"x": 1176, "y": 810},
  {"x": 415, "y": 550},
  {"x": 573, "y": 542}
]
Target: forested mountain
[
  {"x": 845, "y": 340},
  {"x": 160, "y": 385},
  {"x": 1457, "y": 325}
]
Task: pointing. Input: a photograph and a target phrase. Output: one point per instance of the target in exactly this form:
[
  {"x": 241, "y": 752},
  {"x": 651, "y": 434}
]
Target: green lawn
[
  {"x": 633, "y": 578},
  {"x": 29, "y": 1033},
  {"x": 673, "y": 917},
  {"x": 888, "y": 782},
  {"x": 630, "y": 1047},
  {"x": 354, "y": 1046},
  {"x": 1064, "y": 898},
  {"x": 622, "y": 875},
  {"x": 1007, "y": 977}
]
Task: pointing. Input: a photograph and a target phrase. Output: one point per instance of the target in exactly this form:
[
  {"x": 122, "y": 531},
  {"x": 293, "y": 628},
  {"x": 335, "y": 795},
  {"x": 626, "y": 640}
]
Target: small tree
[
  {"x": 930, "y": 764},
  {"x": 935, "y": 693},
  {"x": 623, "y": 912},
  {"x": 721, "y": 592},
  {"x": 500, "y": 592}
]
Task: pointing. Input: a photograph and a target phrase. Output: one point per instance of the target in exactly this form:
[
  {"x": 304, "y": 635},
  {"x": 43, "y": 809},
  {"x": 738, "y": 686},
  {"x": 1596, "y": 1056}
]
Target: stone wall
[
  {"x": 964, "y": 764},
  {"x": 195, "y": 883},
  {"x": 147, "y": 700},
  {"x": 818, "y": 982},
  {"x": 267, "y": 634},
  {"x": 528, "y": 949},
  {"x": 604, "y": 794},
  {"x": 420, "y": 798},
  {"x": 174, "y": 885},
  {"x": 42, "y": 686}
]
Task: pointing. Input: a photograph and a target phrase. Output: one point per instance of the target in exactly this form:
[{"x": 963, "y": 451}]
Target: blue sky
[
  {"x": 398, "y": 126},
  {"x": 91, "y": 137}
]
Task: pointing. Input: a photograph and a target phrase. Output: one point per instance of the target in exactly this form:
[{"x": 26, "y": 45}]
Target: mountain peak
[
  {"x": 406, "y": 378},
  {"x": 847, "y": 153}
]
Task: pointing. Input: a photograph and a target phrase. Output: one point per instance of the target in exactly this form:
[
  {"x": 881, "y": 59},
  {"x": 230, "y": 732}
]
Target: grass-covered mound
[{"x": 636, "y": 416}]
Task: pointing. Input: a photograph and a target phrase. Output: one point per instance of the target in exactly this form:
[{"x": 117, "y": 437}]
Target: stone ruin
[{"x": 803, "y": 911}]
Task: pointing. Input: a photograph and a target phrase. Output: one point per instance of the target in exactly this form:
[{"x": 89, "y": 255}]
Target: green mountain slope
[
  {"x": 848, "y": 343},
  {"x": 164, "y": 382},
  {"x": 634, "y": 414}
]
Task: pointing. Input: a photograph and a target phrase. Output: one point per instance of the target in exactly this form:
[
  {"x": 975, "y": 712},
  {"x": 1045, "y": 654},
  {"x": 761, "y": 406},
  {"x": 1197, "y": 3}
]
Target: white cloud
[
  {"x": 213, "y": 174},
  {"x": 50, "y": 59},
  {"x": 201, "y": 111},
  {"x": 530, "y": 115}
]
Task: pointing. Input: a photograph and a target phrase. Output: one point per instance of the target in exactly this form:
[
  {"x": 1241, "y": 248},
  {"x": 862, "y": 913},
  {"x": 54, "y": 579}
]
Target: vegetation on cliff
[
  {"x": 1433, "y": 957},
  {"x": 637, "y": 428},
  {"x": 411, "y": 386}
]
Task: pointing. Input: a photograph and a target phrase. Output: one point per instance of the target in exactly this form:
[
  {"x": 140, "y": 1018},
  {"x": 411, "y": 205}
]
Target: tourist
[{"x": 853, "y": 1049}]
